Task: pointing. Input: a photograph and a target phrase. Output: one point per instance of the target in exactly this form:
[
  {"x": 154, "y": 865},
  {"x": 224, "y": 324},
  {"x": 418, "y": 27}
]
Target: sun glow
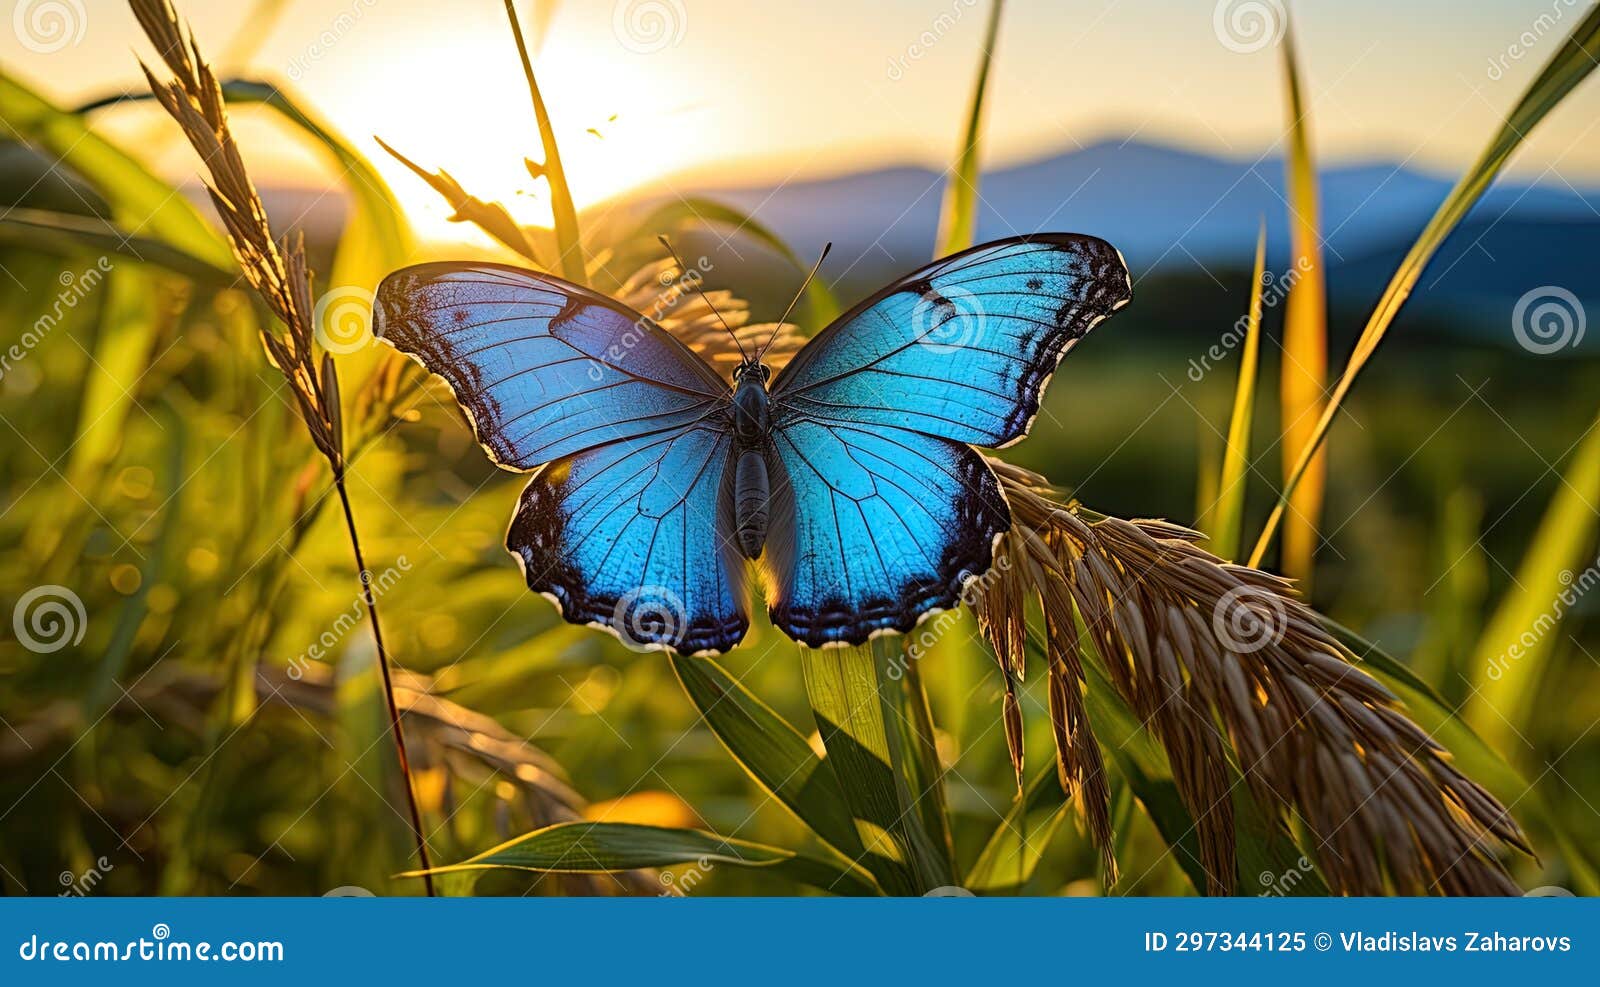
[{"x": 469, "y": 113}]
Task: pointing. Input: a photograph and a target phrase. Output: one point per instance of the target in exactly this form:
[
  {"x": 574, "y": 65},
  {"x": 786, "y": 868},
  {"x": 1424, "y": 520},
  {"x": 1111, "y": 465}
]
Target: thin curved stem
[{"x": 388, "y": 685}]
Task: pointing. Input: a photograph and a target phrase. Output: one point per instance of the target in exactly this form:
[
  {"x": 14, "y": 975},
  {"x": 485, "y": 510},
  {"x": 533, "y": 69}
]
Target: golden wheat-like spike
[{"x": 1228, "y": 667}]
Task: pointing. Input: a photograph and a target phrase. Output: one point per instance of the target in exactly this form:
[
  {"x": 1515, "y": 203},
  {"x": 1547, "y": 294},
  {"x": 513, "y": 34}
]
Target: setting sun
[{"x": 469, "y": 114}]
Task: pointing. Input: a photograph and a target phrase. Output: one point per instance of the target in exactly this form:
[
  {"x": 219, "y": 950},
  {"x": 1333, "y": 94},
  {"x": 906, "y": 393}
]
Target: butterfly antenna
[
  {"x": 794, "y": 301},
  {"x": 695, "y": 280}
]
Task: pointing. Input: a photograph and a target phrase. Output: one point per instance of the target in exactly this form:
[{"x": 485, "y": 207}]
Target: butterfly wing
[
  {"x": 876, "y": 526},
  {"x": 963, "y": 348},
  {"x": 883, "y": 511},
  {"x": 628, "y": 536},
  {"x": 620, "y": 523},
  {"x": 543, "y": 368}
]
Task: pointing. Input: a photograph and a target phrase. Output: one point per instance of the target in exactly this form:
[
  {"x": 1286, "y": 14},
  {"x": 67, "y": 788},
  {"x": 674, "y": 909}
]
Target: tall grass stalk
[
  {"x": 958, "y": 219},
  {"x": 1558, "y": 568},
  {"x": 1227, "y": 510},
  {"x": 1569, "y": 66},
  {"x": 281, "y": 278},
  {"x": 1304, "y": 368},
  {"x": 568, "y": 243}
]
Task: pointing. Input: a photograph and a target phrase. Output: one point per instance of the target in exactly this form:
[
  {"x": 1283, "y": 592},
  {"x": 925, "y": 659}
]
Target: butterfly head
[{"x": 753, "y": 370}]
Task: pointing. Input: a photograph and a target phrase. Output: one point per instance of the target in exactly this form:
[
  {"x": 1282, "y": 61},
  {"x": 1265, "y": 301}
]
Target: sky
[{"x": 758, "y": 92}]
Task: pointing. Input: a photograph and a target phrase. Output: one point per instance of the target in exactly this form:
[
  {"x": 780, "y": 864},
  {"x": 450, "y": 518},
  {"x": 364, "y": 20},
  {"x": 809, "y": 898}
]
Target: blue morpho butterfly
[{"x": 851, "y": 476}]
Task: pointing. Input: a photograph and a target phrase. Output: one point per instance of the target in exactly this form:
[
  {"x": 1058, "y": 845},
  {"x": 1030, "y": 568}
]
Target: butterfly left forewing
[
  {"x": 542, "y": 368},
  {"x": 625, "y": 428}
]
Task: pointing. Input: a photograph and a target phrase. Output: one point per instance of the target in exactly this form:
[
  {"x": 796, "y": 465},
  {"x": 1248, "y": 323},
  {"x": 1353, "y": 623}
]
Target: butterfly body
[
  {"x": 752, "y": 484},
  {"x": 849, "y": 473}
]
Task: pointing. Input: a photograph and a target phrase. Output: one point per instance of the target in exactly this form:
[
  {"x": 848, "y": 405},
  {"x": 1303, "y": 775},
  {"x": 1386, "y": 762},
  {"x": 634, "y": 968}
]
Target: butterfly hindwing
[
  {"x": 544, "y": 368},
  {"x": 874, "y": 526},
  {"x": 962, "y": 348},
  {"x": 629, "y": 536}
]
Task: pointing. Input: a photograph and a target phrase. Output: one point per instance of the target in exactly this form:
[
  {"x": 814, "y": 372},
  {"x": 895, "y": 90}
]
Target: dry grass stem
[
  {"x": 280, "y": 276},
  {"x": 491, "y": 217}
]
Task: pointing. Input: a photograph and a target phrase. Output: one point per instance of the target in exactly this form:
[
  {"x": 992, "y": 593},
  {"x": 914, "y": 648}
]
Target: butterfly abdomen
[
  {"x": 752, "y": 491},
  {"x": 752, "y": 488}
]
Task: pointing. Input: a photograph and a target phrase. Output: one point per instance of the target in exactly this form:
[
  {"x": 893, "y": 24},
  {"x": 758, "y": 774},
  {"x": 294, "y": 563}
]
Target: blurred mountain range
[{"x": 1172, "y": 211}]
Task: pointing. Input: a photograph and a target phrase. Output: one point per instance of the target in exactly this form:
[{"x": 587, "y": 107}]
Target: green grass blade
[
  {"x": 912, "y": 718},
  {"x": 70, "y": 234},
  {"x": 139, "y": 200},
  {"x": 852, "y": 707},
  {"x": 958, "y": 218},
  {"x": 1570, "y": 65},
  {"x": 1013, "y": 851},
  {"x": 123, "y": 349},
  {"x": 1458, "y": 606},
  {"x": 771, "y": 750},
  {"x": 1228, "y": 514},
  {"x": 1558, "y": 567},
  {"x": 1304, "y": 368},
  {"x": 598, "y": 847}
]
